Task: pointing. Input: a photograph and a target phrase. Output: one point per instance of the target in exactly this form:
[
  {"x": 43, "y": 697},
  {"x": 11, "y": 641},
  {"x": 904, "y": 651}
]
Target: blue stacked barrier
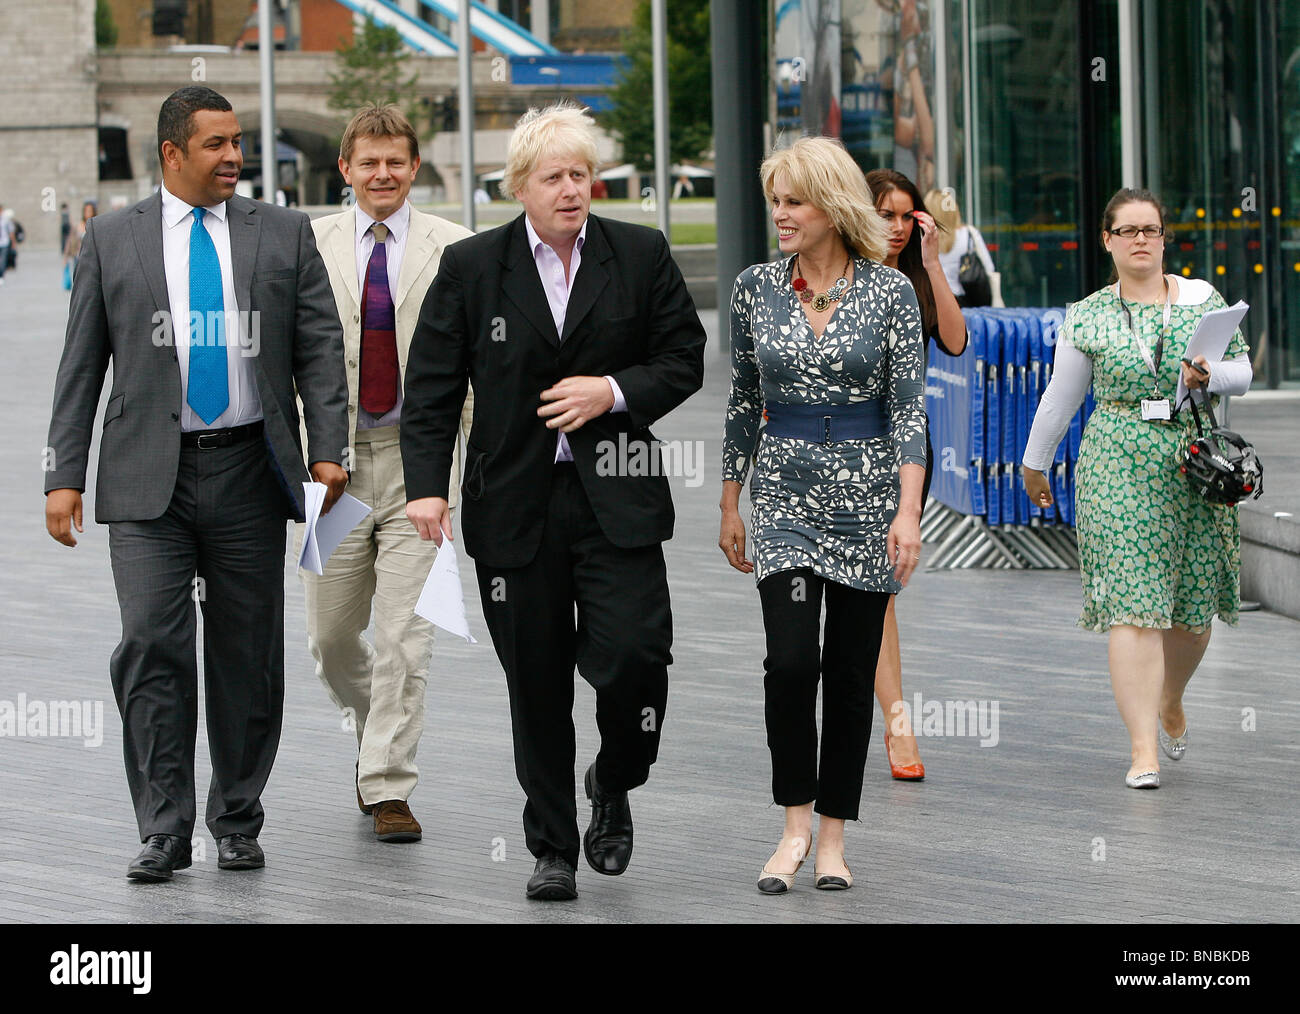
[
  {"x": 977, "y": 351},
  {"x": 1010, "y": 399},
  {"x": 982, "y": 405},
  {"x": 993, "y": 418}
]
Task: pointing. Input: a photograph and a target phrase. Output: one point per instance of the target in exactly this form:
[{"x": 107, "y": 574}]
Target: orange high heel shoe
[{"x": 910, "y": 773}]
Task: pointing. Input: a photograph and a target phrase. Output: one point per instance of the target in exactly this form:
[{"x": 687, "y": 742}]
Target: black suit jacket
[
  {"x": 118, "y": 293},
  {"x": 485, "y": 319}
]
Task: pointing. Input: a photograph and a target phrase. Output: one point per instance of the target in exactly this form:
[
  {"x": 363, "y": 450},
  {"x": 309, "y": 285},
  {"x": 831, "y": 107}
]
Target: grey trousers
[{"x": 220, "y": 546}]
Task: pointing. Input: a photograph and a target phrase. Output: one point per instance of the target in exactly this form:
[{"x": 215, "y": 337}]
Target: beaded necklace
[{"x": 820, "y": 300}]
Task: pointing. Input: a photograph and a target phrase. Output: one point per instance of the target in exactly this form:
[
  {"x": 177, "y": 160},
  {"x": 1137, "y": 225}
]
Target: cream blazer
[{"x": 429, "y": 236}]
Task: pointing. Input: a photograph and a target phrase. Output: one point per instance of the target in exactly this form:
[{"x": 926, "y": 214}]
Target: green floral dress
[{"x": 1151, "y": 552}]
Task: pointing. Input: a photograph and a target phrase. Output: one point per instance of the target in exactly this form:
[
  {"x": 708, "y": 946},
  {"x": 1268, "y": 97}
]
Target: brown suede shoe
[
  {"x": 394, "y": 822},
  {"x": 367, "y": 810}
]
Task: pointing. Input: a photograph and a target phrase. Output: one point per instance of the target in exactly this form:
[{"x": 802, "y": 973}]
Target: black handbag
[
  {"x": 1221, "y": 466},
  {"x": 974, "y": 279}
]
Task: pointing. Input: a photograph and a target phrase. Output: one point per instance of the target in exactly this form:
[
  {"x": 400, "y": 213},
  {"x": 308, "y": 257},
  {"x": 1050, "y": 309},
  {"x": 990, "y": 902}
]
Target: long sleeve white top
[{"x": 1072, "y": 376}]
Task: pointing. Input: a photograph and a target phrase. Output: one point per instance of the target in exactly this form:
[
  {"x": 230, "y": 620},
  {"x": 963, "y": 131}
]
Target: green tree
[
  {"x": 105, "y": 26},
  {"x": 372, "y": 69},
  {"x": 690, "y": 99}
]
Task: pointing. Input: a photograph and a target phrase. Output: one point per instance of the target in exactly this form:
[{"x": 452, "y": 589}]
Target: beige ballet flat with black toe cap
[
  {"x": 779, "y": 883},
  {"x": 833, "y": 881}
]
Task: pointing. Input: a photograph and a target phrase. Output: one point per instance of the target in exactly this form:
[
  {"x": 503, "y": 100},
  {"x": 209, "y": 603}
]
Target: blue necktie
[{"x": 208, "y": 390}]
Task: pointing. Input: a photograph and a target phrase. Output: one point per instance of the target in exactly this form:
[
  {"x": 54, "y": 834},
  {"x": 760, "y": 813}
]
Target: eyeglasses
[{"x": 1130, "y": 231}]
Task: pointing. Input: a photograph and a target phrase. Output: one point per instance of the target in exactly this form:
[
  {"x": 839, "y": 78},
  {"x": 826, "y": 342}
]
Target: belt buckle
[
  {"x": 199, "y": 441},
  {"x": 826, "y": 429}
]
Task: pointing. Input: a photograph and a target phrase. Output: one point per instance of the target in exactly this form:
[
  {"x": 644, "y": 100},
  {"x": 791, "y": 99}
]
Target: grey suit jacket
[{"x": 118, "y": 298}]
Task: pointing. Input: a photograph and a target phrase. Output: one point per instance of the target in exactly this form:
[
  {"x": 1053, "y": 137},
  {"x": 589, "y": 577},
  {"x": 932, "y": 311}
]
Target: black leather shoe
[
  {"x": 553, "y": 879},
  {"x": 239, "y": 852},
  {"x": 163, "y": 854},
  {"x": 608, "y": 841}
]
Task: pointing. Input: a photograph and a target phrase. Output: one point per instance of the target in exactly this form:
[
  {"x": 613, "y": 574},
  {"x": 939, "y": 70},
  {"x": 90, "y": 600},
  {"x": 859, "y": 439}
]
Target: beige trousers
[{"x": 379, "y": 687}]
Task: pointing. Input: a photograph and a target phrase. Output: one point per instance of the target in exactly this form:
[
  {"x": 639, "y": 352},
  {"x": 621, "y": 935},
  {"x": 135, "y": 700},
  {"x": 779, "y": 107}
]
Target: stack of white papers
[
  {"x": 442, "y": 601},
  {"x": 326, "y": 531},
  {"x": 1211, "y": 339}
]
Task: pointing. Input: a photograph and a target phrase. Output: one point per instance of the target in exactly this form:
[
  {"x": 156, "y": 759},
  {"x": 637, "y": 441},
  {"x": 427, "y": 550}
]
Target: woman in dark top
[{"x": 913, "y": 250}]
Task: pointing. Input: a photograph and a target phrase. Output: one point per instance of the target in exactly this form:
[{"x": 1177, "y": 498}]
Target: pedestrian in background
[
  {"x": 6, "y": 241},
  {"x": 72, "y": 248},
  {"x": 1157, "y": 561},
  {"x": 913, "y": 250},
  {"x": 16, "y": 235},
  {"x": 957, "y": 242}
]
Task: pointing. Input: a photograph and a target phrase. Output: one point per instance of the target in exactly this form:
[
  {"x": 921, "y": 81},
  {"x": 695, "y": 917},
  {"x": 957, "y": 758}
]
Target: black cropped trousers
[{"x": 842, "y": 657}]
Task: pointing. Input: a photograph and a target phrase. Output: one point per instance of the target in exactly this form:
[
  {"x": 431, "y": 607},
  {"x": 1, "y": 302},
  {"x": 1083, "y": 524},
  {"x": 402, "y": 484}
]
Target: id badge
[{"x": 1155, "y": 408}]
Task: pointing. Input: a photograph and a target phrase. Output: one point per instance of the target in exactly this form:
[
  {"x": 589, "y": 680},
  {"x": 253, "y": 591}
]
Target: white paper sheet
[
  {"x": 326, "y": 531},
  {"x": 314, "y": 499},
  {"x": 1211, "y": 341},
  {"x": 442, "y": 601}
]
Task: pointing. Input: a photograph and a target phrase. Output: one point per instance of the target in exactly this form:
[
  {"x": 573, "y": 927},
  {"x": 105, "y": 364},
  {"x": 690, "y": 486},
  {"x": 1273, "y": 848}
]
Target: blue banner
[{"x": 949, "y": 383}]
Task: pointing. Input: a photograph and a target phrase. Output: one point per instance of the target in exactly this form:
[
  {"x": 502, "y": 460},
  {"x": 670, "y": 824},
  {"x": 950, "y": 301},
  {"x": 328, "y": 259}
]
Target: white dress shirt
[
  {"x": 245, "y": 403},
  {"x": 398, "y": 223},
  {"x": 558, "y": 288}
]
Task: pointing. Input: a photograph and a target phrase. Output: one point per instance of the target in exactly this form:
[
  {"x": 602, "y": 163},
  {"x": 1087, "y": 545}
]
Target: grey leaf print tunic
[{"x": 827, "y": 507}]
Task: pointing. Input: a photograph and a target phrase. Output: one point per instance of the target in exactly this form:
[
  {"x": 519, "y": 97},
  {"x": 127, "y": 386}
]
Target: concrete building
[
  {"x": 49, "y": 150},
  {"x": 79, "y": 121}
]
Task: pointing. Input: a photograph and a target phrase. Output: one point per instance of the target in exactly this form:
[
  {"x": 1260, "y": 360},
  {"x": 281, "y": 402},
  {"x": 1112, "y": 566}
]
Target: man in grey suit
[{"x": 212, "y": 308}]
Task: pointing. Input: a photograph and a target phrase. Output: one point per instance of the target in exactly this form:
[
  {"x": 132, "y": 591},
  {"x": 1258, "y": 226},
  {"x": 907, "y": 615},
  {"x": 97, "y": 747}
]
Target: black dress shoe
[
  {"x": 163, "y": 854},
  {"x": 553, "y": 879},
  {"x": 239, "y": 852},
  {"x": 608, "y": 841}
]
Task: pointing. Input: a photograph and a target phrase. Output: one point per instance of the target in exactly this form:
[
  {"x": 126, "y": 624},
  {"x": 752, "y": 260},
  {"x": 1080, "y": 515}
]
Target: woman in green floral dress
[{"x": 1157, "y": 561}]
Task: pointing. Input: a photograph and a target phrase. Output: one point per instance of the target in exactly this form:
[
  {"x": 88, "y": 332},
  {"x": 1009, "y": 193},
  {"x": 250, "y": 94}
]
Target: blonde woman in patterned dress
[
  {"x": 1157, "y": 561},
  {"x": 827, "y": 345}
]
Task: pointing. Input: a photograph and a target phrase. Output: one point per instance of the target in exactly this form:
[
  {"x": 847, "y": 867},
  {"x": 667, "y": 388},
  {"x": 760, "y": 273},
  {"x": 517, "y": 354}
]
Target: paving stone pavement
[{"x": 1036, "y": 826}]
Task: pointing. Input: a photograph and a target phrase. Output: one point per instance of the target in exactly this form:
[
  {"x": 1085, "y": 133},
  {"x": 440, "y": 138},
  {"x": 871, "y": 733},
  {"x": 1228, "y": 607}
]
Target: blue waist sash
[{"x": 824, "y": 424}]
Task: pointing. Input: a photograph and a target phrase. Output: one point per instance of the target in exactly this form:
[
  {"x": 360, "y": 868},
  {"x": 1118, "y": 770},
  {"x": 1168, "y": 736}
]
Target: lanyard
[{"x": 1153, "y": 362}]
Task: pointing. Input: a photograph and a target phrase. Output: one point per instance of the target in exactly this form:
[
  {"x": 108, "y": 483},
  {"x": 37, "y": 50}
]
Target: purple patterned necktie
[{"x": 380, "y": 375}]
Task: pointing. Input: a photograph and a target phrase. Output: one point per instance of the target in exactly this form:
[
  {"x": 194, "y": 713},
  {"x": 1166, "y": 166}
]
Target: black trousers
[
  {"x": 844, "y": 658},
  {"x": 621, "y": 643},
  {"x": 225, "y": 528}
]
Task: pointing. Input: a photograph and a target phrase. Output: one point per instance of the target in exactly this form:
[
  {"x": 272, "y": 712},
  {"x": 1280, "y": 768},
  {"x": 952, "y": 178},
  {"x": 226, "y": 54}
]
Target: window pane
[
  {"x": 1203, "y": 146},
  {"x": 1026, "y": 158}
]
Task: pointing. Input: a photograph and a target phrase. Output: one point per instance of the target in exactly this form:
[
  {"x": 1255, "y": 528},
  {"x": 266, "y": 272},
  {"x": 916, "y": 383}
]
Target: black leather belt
[{"x": 210, "y": 439}]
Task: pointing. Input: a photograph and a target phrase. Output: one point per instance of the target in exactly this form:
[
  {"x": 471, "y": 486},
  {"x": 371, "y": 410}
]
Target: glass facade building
[{"x": 1034, "y": 113}]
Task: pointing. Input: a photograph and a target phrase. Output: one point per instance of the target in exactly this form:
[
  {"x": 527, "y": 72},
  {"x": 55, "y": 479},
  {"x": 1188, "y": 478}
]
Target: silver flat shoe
[
  {"x": 1173, "y": 746},
  {"x": 1143, "y": 780}
]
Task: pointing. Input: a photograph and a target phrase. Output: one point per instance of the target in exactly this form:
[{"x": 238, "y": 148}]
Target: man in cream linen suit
[{"x": 381, "y": 256}]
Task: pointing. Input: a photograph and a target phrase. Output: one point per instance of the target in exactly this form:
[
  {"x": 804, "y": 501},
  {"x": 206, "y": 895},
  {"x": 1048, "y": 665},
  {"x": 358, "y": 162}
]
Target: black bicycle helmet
[{"x": 1221, "y": 465}]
